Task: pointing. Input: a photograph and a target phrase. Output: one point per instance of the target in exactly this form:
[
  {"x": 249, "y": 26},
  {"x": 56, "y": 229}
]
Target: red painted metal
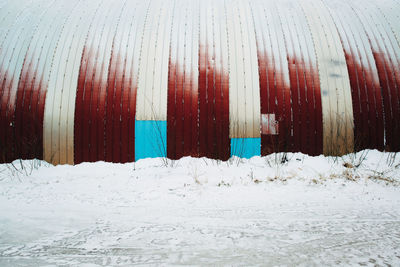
[
  {"x": 179, "y": 114},
  {"x": 112, "y": 148},
  {"x": 367, "y": 107},
  {"x": 366, "y": 137},
  {"x": 394, "y": 87},
  {"x": 285, "y": 140},
  {"x": 295, "y": 101},
  {"x": 217, "y": 109},
  {"x": 29, "y": 110},
  {"x": 267, "y": 142},
  {"x": 5, "y": 148},
  {"x": 188, "y": 116},
  {"x": 25, "y": 79},
  {"x": 194, "y": 117},
  {"x": 182, "y": 114},
  {"x": 226, "y": 144},
  {"x": 304, "y": 92},
  {"x": 360, "y": 135},
  {"x": 120, "y": 142},
  {"x": 34, "y": 125},
  {"x": 129, "y": 112},
  {"x": 392, "y": 60},
  {"x": 94, "y": 106},
  {"x": 87, "y": 102},
  {"x": 373, "y": 88},
  {"x": 308, "y": 142},
  {"x": 7, "y": 119},
  {"x": 214, "y": 102},
  {"x": 390, "y": 107},
  {"x": 303, "y": 106},
  {"x": 269, "y": 104},
  {"x": 171, "y": 116},
  {"x": 305, "y": 130},
  {"x": 318, "y": 109},
  {"x": 312, "y": 111},
  {"x": 99, "y": 117},
  {"x": 202, "y": 100},
  {"x": 210, "y": 97},
  {"x": 198, "y": 121},
  {"x": 115, "y": 144},
  {"x": 3, "y": 145},
  {"x": 81, "y": 106}
]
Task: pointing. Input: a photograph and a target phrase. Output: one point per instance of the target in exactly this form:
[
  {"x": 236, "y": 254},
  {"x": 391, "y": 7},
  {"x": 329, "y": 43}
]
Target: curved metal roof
[{"x": 122, "y": 80}]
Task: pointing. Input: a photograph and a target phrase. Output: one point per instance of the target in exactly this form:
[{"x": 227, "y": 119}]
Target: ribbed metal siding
[{"x": 123, "y": 80}]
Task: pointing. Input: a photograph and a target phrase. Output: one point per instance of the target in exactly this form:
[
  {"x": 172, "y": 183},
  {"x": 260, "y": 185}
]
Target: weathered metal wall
[{"x": 123, "y": 80}]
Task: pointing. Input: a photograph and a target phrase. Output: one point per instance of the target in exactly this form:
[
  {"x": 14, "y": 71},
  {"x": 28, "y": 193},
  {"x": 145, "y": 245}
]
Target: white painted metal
[
  {"x": 390, "y": 9},
  {"x": 259, "y": 25},
  {"x": 388, "y": 40},
  {"x": 243, "y": 72},
  {"x": 305, "y": 44},
  {"x": 55, "y": 131},
  {"x": 160, "y": 87},
  {"x": 337, "y": 111},
  {"x": 180, "y": 19},
  {"x": 193, "y": 48},
  {"x": 224, "y": 48},
  {"x": 389, "y": 37},
  {"x": 10, "y": 15},
  {"x": 45, "y": 42},
  {"x": 153, "y": 68},
  {"x": 10, "y": 22},
  {"x": 50, "y": 35},
  {"x": 356, "y": 41},
  {"x": 135, "y": 45},
  {"x": 14, "y": 52},
  {"x": 253, "y": 105},
  {"x": 377, "y": 28},
  {"x": 58, "y": 122},
  {"x": 275, "y": 51},
  {"x": 191, "y": 51},
  {"x": 217, "y": 16}
]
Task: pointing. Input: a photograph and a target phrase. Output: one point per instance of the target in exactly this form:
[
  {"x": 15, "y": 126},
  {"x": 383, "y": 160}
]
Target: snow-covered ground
[{"x": 307, "y": 211}]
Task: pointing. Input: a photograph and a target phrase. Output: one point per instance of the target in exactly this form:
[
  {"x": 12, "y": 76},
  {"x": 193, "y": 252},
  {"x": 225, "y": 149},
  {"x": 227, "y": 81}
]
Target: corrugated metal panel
[
  {"x": 183, "y": 108},
  {"x": 274, "y": 77},
  {"x": 243, "y": 80},
  {"x": 133, "y": 53},
  {"x": 244, "y": 90},
  {"x": 56, "y": 134},
  {"x": 71, "y": 72},
  {"x": 34, "y": 80},
  {"x": 390, "y": 9},
  {"x": 153, "y": 68},
  {"x": 213, "y": 87},
  {"x": 175, "y": 84},
  {"x": 152, "y": 78},
  {"x": 92, "y": 83},
  {"x": 12, "y": 56},
  {"x": 10, "y": 13},
  {"x": 121, "y": 86},
  {"x": 366, "y": 95},
  {"x": 308, "y": 84},
  {"x": 386, "y": 53},
  {"x": 222, "y": 142},
  {"x": 336, "y": 93}
]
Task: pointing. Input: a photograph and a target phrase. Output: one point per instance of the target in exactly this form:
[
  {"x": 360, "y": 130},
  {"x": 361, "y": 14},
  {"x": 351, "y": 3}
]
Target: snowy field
[{"x": 306, "y": 211}]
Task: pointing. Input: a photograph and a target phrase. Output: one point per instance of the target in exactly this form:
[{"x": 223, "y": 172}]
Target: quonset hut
[{"x": 123, "y": 80}]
